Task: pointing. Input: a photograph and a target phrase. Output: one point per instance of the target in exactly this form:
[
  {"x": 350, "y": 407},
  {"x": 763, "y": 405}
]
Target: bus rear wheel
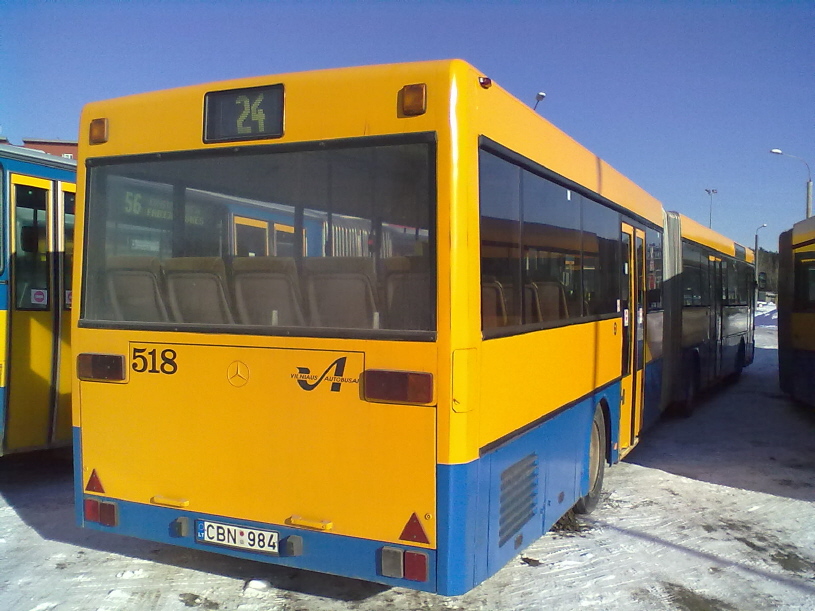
[
  {"x": 687, "y": 406},
  {"x": 597, "y": 464},
  {"x": 739, "y": 366}
]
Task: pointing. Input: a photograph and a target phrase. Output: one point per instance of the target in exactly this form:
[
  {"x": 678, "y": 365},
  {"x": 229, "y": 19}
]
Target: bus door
[
  {"x": 632, "y": 307},
  {"x": 717, "y": 286},
  {"x": 38, "y": 413},
  {"x": 63, "y": 271}
]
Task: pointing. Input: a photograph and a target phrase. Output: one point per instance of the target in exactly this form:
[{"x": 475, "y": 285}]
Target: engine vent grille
[{"x": 519, "y": 495}]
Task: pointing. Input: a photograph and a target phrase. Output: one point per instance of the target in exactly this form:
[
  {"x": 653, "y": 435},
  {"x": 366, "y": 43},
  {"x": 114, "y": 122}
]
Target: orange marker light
[
  {"x": 98, "y": 133},
  {"x": 414, "y": 99}
]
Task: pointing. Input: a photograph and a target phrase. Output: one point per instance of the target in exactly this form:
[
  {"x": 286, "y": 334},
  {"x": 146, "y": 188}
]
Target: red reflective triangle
[
  {"x": 413, "y": 531},
  {"x": 94, "y": 485}
]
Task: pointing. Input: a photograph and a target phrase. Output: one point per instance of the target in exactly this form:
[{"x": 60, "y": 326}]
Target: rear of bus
[
  {"x": 796, "y": 311},
  {"x": 257, "y": 339}
]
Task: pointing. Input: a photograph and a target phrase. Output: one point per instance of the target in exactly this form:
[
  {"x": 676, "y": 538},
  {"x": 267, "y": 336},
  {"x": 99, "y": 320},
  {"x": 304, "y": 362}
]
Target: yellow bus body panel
[
  {"x": 803, "y": 331},
  {"x": 30, "y": 384},
  {"x": 348, "y": 108},
  {"x": 706, "y": 236},
  {"x": 257, "y": 445},
  {"x": 535, "y": 382}
]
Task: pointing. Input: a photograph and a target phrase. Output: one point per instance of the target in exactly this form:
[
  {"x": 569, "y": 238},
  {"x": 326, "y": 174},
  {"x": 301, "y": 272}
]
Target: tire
[
  {"x": 687, "y": 405},
  {"x": 740, "y": 359},
  {"x": 597, "y": 464}
]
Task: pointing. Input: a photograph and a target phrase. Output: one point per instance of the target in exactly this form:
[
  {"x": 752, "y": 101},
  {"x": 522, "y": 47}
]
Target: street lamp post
[
  {"x": 710, "y": 192},
  {"x": 809, "y": 178},
  {"x": 756, "y": 251}
]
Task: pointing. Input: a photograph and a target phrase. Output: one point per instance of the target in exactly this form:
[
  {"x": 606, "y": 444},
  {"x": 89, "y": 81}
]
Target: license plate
[{"x": 239, "y": 537}]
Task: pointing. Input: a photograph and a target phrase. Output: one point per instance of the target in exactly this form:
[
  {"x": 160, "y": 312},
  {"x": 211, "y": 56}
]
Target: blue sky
[{"x": 679, "y": 96}]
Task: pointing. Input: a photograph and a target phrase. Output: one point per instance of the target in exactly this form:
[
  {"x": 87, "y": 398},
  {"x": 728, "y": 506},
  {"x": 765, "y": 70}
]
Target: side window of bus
[
  {"x": 693, "y": 264},
  {"x": 68, "y": 262},
  {"x": 552, "y": 251},
  {"x": 601, "y": 258},
  {"x": 500, "y": 242},
  {"x": 745, "y": 278},
  {"x": 732, "y": 283},
  {"x": 708, "y": 276},
  {"x": 31, "y": 265},
  {"x": 653, "y": 269},
  {"x": 804, "y": 282},
  {"x": 558, "y": 260}
]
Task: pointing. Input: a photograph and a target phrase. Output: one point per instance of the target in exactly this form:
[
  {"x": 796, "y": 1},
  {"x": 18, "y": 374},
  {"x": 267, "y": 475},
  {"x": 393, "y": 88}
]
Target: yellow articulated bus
[
  {"x": 394, "y": 337},
  {"x": 37, "y": 193},
  {"x": 796, "y": 311},
  {"x": 710, "y": 336}
]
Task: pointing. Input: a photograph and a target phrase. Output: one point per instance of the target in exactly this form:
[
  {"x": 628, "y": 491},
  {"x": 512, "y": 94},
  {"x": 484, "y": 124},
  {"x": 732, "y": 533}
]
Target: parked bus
[
  {"x": 463, "y": 327},
  {"x": 796, "y": 311},
  {"x": 711, "y": 338},
  {"x": 37, "y": 192}
]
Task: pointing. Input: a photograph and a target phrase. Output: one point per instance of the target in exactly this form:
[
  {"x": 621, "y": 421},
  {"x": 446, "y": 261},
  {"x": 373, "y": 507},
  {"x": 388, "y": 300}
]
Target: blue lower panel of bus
[
  {"x": 488, "y": 510},
  {"x": 492, "y": 508},
  {"x": 322, "y": 552}
]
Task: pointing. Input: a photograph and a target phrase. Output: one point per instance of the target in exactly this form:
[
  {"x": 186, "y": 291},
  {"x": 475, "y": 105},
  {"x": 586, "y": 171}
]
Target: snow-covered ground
[
  {"x": 766, "y": 315},
  {"x": 715, "y": 512}
]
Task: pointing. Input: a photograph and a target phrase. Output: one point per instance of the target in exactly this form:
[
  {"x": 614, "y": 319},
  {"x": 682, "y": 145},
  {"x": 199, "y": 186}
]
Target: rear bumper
[{"x": 323, "y": 552}]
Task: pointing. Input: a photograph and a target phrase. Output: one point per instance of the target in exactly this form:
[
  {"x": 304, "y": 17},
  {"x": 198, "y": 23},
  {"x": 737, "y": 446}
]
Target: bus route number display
[{"x": 243, "y": 114}]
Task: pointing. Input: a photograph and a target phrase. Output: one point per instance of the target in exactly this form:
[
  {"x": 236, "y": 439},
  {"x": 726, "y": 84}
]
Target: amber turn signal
[
  {"x": 414, "y": 100},
  {"x": 98, "y": 133}
]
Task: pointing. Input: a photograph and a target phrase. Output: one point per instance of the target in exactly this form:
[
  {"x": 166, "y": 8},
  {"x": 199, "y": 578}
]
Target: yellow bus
[
  {"x": 796, "y": 311},
  {"x": 710, "y": 338},
  {"x": 382, "y": 322},
  {"x": 37, "y": 193}
]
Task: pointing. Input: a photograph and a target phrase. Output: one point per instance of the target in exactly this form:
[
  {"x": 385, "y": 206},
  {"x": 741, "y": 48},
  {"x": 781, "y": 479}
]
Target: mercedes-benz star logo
[{"x": 237, "y": 374}]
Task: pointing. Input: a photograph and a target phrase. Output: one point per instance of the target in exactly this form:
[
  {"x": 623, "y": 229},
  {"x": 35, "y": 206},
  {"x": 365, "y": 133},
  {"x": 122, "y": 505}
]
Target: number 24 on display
[{"x": 153, "y": 361}]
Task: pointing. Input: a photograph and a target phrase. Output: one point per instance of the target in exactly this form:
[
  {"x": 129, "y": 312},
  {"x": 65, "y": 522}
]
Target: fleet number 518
[{"x": 153, "y": 361}]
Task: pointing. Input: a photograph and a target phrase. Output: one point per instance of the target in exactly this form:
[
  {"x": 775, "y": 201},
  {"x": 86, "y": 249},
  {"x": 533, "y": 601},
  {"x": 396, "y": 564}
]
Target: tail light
[
  {"x": 397, "y": 386},
  {"x": 100, "y": 367},
  {"x": 403, "y": 564},
  {"x": 101, "y": 512}
]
